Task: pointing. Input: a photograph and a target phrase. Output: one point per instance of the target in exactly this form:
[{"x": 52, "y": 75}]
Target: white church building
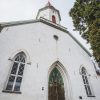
[{"x": 41, "y": 60}]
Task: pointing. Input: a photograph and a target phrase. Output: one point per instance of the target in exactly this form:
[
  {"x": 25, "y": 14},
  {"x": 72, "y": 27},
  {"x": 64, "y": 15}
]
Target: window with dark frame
[
  {"x": 86, "y": 82},
  {"x": 15, "y": 78}
]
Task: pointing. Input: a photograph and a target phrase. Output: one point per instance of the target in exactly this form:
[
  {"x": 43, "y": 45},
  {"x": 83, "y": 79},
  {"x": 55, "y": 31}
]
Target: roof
[
  {"x": 48, "y": 5},
  {"x": 47, "y": 22}
]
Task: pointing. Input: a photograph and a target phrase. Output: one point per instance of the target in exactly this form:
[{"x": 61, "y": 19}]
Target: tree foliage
[{"x": 86, "y": 19}]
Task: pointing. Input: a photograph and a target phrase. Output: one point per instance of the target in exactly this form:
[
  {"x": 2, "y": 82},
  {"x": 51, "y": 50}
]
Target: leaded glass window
[
  {"x": 15, "y": 78},
  {"x": 55, "y": 77},
  {"x": 86, "y": 82}
]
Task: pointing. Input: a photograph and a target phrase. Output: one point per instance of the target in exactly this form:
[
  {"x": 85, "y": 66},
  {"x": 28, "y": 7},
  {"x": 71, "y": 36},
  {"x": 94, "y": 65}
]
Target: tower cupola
[{"x": 50, "y": 13}]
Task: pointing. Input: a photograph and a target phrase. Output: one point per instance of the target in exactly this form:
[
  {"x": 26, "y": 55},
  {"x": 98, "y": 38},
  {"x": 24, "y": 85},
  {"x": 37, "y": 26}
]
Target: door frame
[{"x": 66, "y": 79}]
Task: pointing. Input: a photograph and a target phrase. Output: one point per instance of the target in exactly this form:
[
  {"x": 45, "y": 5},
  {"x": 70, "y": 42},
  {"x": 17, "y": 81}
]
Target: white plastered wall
[{"x": 43, "y": 50}]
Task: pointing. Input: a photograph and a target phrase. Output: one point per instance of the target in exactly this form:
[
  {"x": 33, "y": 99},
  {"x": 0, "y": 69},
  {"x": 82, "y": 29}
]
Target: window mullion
[
  {"x": 86, "y": 83},
  {"x": 16, "y": 76}
]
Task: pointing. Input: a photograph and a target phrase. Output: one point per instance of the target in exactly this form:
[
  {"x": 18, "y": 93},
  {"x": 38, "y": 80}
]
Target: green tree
[{"x": 86, "y": 19}]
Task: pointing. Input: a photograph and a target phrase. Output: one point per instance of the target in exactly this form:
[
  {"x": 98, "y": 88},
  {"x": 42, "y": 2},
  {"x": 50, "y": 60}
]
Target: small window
[
  {"x": 86, "y": 82},
  {"x": 53, "y": 19},
  {"x": 15, "y": 78}
]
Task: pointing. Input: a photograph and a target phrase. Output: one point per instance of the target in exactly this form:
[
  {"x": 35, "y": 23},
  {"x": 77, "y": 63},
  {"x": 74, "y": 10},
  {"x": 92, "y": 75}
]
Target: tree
[{"x": 86, "y": 19}]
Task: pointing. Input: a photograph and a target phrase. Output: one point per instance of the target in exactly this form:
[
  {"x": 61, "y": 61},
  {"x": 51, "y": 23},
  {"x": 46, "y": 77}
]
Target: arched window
[
  {"x": 56, "y": 86},
  {"x": 15, "y": 78},
  {"x": 86, "y": 82},
  {"x": 53, "y": 19}
]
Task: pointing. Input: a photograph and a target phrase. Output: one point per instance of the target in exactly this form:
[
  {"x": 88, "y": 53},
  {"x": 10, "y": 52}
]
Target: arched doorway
[{"x": 56, "y": 85}]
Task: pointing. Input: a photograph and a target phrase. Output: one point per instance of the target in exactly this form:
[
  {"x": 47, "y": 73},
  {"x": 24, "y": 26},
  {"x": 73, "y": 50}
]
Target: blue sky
[{"x": 14, "y": 10}]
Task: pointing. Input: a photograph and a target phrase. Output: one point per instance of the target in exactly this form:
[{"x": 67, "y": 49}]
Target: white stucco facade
[{"x": 43, "y": 52}]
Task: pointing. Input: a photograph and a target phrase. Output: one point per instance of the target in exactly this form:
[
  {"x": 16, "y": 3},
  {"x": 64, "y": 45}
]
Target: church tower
[{"x": 50, "y": 13}]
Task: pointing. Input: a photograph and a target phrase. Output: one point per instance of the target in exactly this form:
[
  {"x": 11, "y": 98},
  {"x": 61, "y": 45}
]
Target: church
[{"x": 41, "y": 60}]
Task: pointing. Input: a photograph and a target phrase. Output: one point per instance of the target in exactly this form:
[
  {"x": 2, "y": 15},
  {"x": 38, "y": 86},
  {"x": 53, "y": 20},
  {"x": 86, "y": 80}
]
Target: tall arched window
[
  {"x": 86, "y": 82},
  {"x": 15, "y": 78},
  {"x": 56, "y": 86},
  {"x": 53, "y": 19}
]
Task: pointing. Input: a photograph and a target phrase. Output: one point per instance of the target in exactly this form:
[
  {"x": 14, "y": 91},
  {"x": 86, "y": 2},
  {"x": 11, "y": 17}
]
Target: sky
[{"x": 16, "y": 10}]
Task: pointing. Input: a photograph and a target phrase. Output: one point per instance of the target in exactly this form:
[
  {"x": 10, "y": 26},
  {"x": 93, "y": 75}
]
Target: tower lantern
[{"x": 50, "y": 13}]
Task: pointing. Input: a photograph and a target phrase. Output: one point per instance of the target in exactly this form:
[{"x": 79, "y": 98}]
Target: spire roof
[{"x": 49, "y": 5}]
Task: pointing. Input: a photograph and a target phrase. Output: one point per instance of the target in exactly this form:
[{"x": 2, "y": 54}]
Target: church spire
[
  {"x": 48, "y": 4},
  {"x": 49, "y": 12}
]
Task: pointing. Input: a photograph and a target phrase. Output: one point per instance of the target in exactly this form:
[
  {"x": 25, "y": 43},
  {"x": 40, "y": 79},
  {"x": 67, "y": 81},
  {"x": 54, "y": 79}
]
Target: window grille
[
  {"x": 86, "y": 82},
  {"x": 15, "y": 78}
]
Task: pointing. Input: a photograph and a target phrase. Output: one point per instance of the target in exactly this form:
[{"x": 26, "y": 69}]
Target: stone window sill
[
  {"x": 90, "y": 96},
  {"x": 7, "y": 91}
]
